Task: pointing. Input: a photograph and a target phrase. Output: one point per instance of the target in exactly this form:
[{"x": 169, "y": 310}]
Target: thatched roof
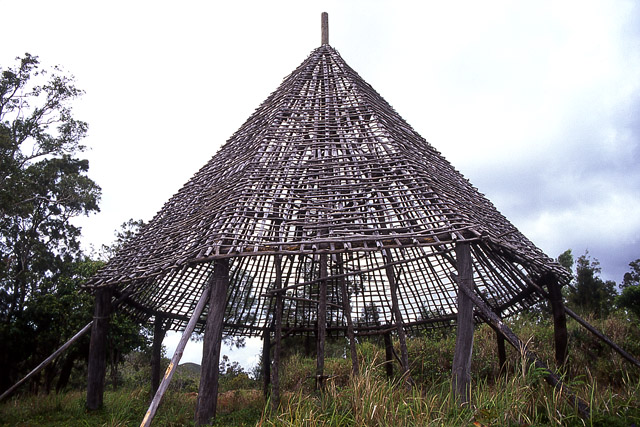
[{"x": 325, "y": 165}]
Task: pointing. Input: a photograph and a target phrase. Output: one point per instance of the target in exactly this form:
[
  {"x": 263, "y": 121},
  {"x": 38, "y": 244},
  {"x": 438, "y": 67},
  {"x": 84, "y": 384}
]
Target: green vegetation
[{"x": 519, "y": 397}]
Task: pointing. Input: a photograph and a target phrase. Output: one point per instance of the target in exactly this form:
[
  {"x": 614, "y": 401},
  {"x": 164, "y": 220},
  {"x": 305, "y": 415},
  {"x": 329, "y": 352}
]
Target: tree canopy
[
  {"x": 630, "y": 296},
  {"x": 43, "y": 185}
]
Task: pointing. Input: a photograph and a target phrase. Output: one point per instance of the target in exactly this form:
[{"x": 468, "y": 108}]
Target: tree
[
  {"x": 632, "y": 278},
  {"x": 590, "y": 294},
  {"x": 630, "y": 296},
  {"x": 127, "y": 231},
  {"x": 565, "y": 259},
  {"x": 42, "y": 186}
]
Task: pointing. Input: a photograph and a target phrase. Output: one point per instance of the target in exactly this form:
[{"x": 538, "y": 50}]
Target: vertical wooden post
[
  {"x": 266, "y": 362},
  {"x": 325, "y": 28},
  {"x": 549, "y": 376},
  {"x": 98, "y": 347},
  {"x": 175, "y": 359},
  {"x": 156, "y": 353},
  {"x": 559, "y": 318},
  {"x": 322, "y": 323},
  {"x": 346, "y": 306},
  {"x": 388, "y": 353},
  {"x": 397, "y": 314},
  {"x": 275, "y": 373},
  {"x": 502, "y": 353},
  {"x": 208, "y": 391},
  {"x": 461, "y": 376}
]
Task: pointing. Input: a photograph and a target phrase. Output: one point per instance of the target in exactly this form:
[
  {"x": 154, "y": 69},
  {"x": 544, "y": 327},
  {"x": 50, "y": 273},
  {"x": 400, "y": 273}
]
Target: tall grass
[{"x": 517, "y": 397}]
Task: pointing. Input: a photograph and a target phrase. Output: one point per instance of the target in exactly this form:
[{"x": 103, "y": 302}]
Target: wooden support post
[
  {"x": 156, "y": 353},
  {"x": 97, "y": 348},
  {"x": 388, "y": 354},
  {"x": 591, "y": 329},
  {"x": 461, "y": 375},
  {"x": 494, "y": 321},
  {"x": 346, "y": 307},
  {"x": 502, "y": 353},
  {"x": 275, "y": 373},
  {"x": 397, "y": 314},
  {"x": 59, "y": 351},
  {"x": 266, "y": 362},
  {"x": 559, "y": 318},
  {"x": 177, "y": 355},
  {"x": 208, "y": 391},
  {"x": 322, "y": 324}
]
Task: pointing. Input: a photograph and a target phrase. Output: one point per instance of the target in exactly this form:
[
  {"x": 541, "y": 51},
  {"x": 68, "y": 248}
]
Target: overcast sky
[{"x": 537, "y": 103}]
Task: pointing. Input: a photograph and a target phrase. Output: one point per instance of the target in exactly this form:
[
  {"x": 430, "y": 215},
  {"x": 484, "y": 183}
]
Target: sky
[{"x": 537, "y": 103}]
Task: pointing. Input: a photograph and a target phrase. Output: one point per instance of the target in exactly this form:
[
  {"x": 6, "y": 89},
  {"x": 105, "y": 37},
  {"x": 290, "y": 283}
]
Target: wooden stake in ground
[
  {"x": 97, "y": 348},
  {"x": 156, "y": 352},
  {"x": 388, "y": 354},
  {"x": 275, "y": 373},
  {"x": 346, "y": 307},
  {"x": 593, "y": 330},
  {"x": 208, "y": 391},
  {"x": 177, "y": 355},
  {"x": 397, "y": 314},
  {"x": 461, "y": 371},
  {"x": 560, "y": 335},
  {"x": 266, "y": 362},
  {"x": 322, "y": 323}
]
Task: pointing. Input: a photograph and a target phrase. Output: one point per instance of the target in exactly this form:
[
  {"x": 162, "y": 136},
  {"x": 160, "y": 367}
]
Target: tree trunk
[{"x": 65, "y": 371}]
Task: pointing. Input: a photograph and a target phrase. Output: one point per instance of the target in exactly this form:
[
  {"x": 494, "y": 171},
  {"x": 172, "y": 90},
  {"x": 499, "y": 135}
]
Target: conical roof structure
[{"x": 326, "y": 166}]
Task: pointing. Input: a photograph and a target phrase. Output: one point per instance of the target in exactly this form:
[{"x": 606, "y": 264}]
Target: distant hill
[{"x": 189, "y": 369}]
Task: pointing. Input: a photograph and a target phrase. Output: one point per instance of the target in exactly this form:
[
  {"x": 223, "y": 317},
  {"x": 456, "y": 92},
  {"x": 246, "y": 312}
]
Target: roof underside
[{"x": 325, "y": 166}]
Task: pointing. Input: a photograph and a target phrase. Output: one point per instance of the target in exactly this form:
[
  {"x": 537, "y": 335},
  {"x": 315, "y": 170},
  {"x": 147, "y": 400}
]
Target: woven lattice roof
[{"x": 325, "y": 165}]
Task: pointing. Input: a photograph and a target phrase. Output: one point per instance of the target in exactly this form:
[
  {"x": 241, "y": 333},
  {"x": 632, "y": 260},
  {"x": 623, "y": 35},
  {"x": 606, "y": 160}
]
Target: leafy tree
[
  {"x": 632, "y": 278},
  {"x": 590, "y": 294},
  {"x": 127, "y": 231},
  {"x": 630, "y": 295},
  {"x": 565, "y": 259},
  {"x": 42, "y": 186}
]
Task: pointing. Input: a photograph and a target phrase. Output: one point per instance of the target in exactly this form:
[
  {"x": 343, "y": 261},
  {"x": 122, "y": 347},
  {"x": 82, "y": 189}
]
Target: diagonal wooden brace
[{"x": 550, "y": 377}]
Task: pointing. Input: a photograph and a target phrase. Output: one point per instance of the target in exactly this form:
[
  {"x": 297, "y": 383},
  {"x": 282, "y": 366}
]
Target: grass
[
  {"x": 519, "y": 397},
  {"x": 516, "y": 400}
]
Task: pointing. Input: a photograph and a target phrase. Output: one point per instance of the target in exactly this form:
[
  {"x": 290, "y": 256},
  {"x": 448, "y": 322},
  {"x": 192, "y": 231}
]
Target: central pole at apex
[{"x": 325, "y": 28}]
